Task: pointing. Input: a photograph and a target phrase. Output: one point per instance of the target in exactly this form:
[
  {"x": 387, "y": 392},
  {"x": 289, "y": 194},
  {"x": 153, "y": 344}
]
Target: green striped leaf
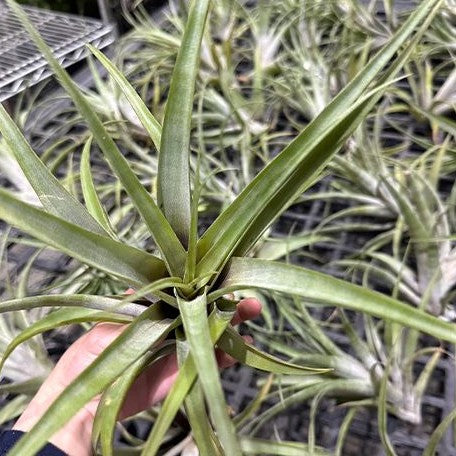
[
  {"x": 147, "y": 330},
  {"x": 246, "y": 273},
  {"x": 52, "y": 194},
  {"x": 164, "y": 236},
  {"x": 173, "y": 165},
  {"x": 129, "y": 264}
]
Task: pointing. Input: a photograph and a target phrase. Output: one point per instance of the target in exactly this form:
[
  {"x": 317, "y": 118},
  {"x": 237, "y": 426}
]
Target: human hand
[{"x": 150, "y": 387}]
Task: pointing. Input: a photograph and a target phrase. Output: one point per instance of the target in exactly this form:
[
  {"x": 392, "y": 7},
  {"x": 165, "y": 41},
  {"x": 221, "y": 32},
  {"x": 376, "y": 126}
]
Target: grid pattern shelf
[{"x": 22, "y": 65}]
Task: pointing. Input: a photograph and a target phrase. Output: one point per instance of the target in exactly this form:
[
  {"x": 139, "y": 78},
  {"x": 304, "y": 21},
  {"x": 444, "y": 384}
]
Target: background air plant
[{"x": 181, "y": 284}]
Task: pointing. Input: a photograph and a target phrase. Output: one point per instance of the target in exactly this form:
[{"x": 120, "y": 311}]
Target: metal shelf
[{"x": 22, "y": 65}]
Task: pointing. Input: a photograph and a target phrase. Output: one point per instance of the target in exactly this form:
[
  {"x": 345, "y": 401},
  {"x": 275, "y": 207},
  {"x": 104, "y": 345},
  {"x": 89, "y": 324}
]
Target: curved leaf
[
  {"x": 130, "y": 264},
  {"x": 233, "y": 344},
  {"x": 163, "y": 234},
  {"x": 110, "y": 405},
  {"x": 58, "y": 318},
  {"x": 148, "y": 329},
  {"x": 89, "y": 192},
  {"x": 264, "y": 447},
  {"x": 245, "y": 273},
  {"x": 291, "y": 171},
  {"x": 52, "y": 194},
  {"x": 88, "y": 301},
  {"x": 149, "y": 122},
  {"x": 438, "y": 434}
]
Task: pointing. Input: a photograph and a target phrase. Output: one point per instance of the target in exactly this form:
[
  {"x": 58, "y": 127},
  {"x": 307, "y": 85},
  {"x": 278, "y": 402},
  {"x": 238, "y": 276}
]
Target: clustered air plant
[
  {"x": 301, "y": 77},
  {"x": 404, "y": 193},
  {"x": 181, "y": 286}
]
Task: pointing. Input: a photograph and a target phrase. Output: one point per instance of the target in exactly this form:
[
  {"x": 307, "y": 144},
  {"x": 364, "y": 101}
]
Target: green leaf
[
  {"x": 246, "y": 273},
  {"x": 173, "y": 164},
  {"x": 233, "y": 344},
  {"x": 164, "y": 236},
  {"x": 29, "y": 387},
  {"x": 111, "y": 403},
  {"x": 343, "y": 430},
  {"x": 129, "y": 264},
  {"x": 194, "y": 318},
  {"x": 255, "y": 404},
  {"x": 58, "y": 318},
  {"x": 382, "y": 413},
  {"x": 149, "y": 122},
  {"x": 147, "y": 330},
  {"x": 78, "y": 300},
  {"x": 195, "y": 408},
  {"x": 13, "y": 408},
  {"x": 290, "y": 172},
  {"x": 340, "y": 388},
  {"x": 438, "y": 434},
  {"x": 186, "y": 377},
  {"x": 53, "y": 196},
  {"x": 89, "y": 192},
  {"x": 274, "y": 249},
  {"x": 267, "y": 447}
]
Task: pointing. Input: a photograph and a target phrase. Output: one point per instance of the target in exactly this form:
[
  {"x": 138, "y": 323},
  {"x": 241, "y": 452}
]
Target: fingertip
[
  {"x": 224, "y": 360},
  {"x": 248, "y": 339},
  {"x": 249, "y": 308}
]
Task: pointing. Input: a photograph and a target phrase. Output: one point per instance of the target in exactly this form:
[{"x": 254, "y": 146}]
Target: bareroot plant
[{"x": 182, "y": 285}]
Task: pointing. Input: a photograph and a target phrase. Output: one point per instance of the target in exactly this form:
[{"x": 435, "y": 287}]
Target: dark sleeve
[{"x": 9, "y": 438}]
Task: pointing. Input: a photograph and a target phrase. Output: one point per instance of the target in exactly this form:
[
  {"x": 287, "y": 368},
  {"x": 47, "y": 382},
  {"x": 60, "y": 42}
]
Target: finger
[
  {"x": 77, "y": 358},
  {"x": 151, "y": 386},
  {"x": 224, "y": 360},
  {"x": 84, "y": 351},
  {"x": 154, "y": 383},
  {"x": 247, "y": 309}
]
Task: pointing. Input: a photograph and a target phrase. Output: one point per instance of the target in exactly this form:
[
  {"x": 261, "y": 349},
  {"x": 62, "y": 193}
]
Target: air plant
[
  {"x": 181, "y": 287},
  {"x": 397, "y": 194}
]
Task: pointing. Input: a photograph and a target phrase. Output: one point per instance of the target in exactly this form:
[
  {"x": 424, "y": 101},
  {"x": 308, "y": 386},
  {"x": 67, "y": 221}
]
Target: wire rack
[{"x": 22, "y": 65}]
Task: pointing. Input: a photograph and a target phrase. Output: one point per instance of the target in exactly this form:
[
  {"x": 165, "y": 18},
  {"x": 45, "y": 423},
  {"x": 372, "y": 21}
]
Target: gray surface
[{"x": 22, "y": 65}]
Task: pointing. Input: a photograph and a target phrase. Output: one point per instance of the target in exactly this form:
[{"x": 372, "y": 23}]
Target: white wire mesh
[{"x": 22, "y": 65}]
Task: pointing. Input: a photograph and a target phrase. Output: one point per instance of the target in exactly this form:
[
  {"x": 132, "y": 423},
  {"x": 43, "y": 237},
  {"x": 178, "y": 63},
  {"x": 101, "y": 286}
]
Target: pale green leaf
[
  {"x": 194, "y": 318},
  {"x": 287, "y": 175},
  {"x": 246, "y": 273},
  {"x": 90, "y": 194},
  {"x": 52, "y": 194},
  {"x": 173, "y": 164},
  {"x": 163, "y": 234},
  {"x": 129, "y": 264},
  {"x": 438, "y": 434},
  {"x": 233, "y": 344},
  {"x": 148, "y": 329},
  {"x": 111, "y": 403},
  {"x": 78, "y": 300},
  {"x": 217, "y": 322},
  {"x": 58, "y": 318},
  {"x": 252, "y": 446},
  {"x": 151, "y": 125}
]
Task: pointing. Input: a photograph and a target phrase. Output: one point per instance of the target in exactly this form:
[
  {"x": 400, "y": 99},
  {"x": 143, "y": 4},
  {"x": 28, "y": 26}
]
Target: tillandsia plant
[{"x": 181, "y": 289}]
